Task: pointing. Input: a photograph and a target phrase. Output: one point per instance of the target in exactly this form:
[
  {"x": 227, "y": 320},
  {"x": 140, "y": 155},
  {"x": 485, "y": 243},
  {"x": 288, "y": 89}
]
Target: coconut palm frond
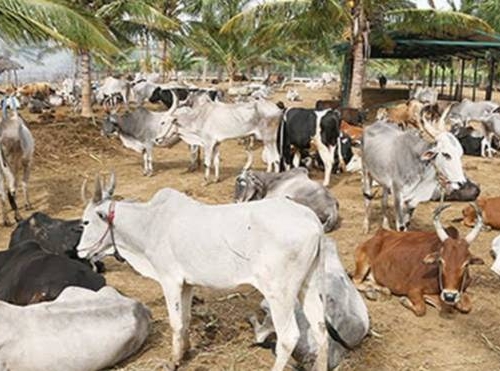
[{"x": 27, "y": 21}]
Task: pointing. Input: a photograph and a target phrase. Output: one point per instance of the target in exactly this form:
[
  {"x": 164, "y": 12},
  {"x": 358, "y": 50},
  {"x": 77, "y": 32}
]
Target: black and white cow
[
  {"x": 29, "y": 274},
  {"x": 301, "y": 128},
  {"x": 165, "y": 95},
  {"x": 472, "y": 141}
]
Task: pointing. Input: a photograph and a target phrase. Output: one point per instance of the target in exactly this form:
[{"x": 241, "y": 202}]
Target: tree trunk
[
  {"x": 360, "y": 29},
  {"x": 205, "y": 70},
  {"x": 292, "y": 73},
  {"x": 86, "y": 85},
  {"x": 164, "y": 57}
]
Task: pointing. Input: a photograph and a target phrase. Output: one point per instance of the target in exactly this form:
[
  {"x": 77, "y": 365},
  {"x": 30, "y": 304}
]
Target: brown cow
[
  {"x": 39, "y": 90},
  {"x": 408, "y": 114},
  {"x": 490, "y": 212},
  {"x": 421, "y": 267},
  {"x": 355, "y": 132},
  {"x": 325, "y": 104}
]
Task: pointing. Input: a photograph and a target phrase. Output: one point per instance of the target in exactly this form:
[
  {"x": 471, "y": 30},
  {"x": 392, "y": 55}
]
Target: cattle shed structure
[
  {"x": 440, "y": 44},
  {"x": 9, "y": 67}
]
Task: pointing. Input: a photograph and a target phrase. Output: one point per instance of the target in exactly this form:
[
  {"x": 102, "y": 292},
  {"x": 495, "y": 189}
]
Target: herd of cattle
[{"x": 51, "y": 273}]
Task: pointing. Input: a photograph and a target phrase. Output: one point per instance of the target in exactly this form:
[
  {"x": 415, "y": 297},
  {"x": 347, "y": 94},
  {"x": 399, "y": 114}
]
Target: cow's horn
[
  {"x": 110, "y": 189},
  {"x": 98, "y": 190},
  {"x": 427, "y": 125},
  {"x": 441, "y": 125},
  {"x": 85, "y": 196},
  {"x": 175, "y": 103},
  {"x": 479, "y": 224},
  {"x": 443, "y": 236}
]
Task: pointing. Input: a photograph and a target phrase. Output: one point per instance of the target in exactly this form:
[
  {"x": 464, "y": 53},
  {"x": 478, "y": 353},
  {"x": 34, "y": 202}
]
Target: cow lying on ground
[
  {"x": 421, "y": 267},
  {"x": 301, "y": 127},
  {"x": 55, "y": 236},
  {"x": 17, "y": 148},
  {"x": 293, "y": 184},
  {"x": 81, "y": 330},
  {"x": 472, "y": 141},
  {"x": 468, "y": 192},
  {"x": 345, "y": 308},
  {"x": 490, "y": 212},
  {"x": 29, "y": 274},
  {"x": 40, "y": 89}
]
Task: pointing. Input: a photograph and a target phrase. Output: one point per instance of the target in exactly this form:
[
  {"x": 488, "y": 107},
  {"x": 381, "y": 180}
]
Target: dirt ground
[{"x": 68, "y": 149}]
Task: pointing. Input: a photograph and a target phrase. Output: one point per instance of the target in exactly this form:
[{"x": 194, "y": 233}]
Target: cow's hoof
[
  {"x": 148, "y": 173},
  {"x": 18, "y": 218},
  {"x": 7, "y": 223},
  {"x": 28, "y": 207},
  {"x": 192, "y": 168},
  {"x": 371, "y": 294}
]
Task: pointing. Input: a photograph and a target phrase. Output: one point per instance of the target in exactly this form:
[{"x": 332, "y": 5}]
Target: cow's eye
[
  {"x": 86, "y": 222},
  {"x": 446, "y": 156},
  {"x": 101, "y": 215}
]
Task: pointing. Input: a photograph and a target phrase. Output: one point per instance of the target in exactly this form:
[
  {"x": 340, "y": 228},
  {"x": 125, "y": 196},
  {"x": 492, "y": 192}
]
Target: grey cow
[
  {"x": 467, "y": 110},
  {"x": 344, "y": 308},
  {"x": 81, "y": 330},
  {"x": 294, "y": 184},
  {"x": 409, "y": 167},
  {"x": 138, "y": 129},
  {"x": 17, "y": 148}
]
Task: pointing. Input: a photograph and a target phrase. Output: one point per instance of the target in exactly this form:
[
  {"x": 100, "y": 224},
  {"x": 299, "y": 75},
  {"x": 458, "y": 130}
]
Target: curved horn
[
  {"x": 443, "y": 236},
  {"x": 427, "y": 125},
  {"x": 441, "y": 125},
  {"x": 98, "y": 190},
  {"x": 175, "y": 103},
  {"x": 479, "y": 224},
  {"x": 83, "y": 191},
  {"x": 110, "y": 189}
]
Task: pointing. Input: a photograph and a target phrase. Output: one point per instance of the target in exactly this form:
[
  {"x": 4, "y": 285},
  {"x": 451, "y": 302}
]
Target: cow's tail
[{"x": 283, "y": 143}]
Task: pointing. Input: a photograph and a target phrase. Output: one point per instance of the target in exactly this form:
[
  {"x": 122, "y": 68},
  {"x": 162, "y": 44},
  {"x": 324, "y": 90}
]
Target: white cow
[
  {"x": 181, "y": 242},
  {"x": 112, "y": 86},
  {"x": 495, "y": 252},
  {"x": 210, "y": 123},
  {"x": 81, "y": 330}
]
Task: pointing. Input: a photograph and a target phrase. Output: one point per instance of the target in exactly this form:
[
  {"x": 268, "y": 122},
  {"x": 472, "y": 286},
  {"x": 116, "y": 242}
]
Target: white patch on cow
[{"x": 495, "y": 247}]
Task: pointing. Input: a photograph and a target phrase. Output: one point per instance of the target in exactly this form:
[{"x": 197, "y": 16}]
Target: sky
[{"x": 440, "y": 4}]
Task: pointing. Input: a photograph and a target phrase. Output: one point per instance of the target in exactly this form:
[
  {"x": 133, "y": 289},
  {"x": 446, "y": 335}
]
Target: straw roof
[{"x": 7, "y": 64}]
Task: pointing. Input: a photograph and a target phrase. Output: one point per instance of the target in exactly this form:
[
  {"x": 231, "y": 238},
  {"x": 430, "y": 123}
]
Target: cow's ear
[
  {"x": 475, "y": 260},
  {"x": 428, "y": 155},
  {"x": 431, "y": 258}
]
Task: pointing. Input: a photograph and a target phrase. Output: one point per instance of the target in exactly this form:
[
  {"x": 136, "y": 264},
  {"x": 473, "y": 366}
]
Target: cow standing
[
  {"x": 16, "y": 153},
  {"x": 301, "y": 127},
  {"x": 420, "y": 267},
  {"x": 408, "y": 167}
]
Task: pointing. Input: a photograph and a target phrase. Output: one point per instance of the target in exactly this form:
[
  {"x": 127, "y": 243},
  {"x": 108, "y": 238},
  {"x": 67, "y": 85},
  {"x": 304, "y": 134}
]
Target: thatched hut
[{"x": 10, "y": 68}]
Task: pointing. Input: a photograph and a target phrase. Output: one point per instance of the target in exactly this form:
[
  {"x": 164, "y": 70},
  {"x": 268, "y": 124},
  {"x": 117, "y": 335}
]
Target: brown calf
[
  {"x": 490, "y": 212},
  {"x": 421, "y": 267},
  {"x": 39, "y": 90},
  {"x": 355, "y": 132}
]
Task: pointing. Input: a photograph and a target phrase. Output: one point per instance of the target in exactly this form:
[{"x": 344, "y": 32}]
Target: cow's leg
[
  {"x": 326, "y": 155},
  {"x": 208, "y": 150},
  {"x": 367, "y": 195},
  {"x": 490, "y": 148},
  {"x": 385, "y": 199},
  {"x": 11, "y": 190},
  {"x": 400, "y": 220},
  {"x": 217, "y": 162},
  {"x": 176, "y": 298},
  {"x": 296, "y": 159},
  {"x": 315, "y": 314},
  {"x": 433, "y": 300},
  {"x": 3, "y": 195},
  {"x": 465, "y": 304},
  {"x": 26, "y": 175},
  {"x": 194, "y": 155},
  {"x": 145, "y": 162},
  {"x": 287, "y": 331},
  {"x": 484, "y": 145},
  {"x": 261, "y": 330},
  {"x": 415, "y": 302},
  {"x": 150, "y": 161}
]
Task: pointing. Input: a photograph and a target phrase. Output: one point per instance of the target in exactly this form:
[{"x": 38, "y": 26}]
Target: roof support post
[
  {"x": 462, "y": 70},
  {"x": 442, "y": 78},
  {"x": 429, "y": 77},
  {"x": 491, "y": 75},
  {"x": 451, "y": 79},
  {"x": 475, "y": 80},
  {"x": 436, "y": 66},
  {"x": 346, "y": 78}
]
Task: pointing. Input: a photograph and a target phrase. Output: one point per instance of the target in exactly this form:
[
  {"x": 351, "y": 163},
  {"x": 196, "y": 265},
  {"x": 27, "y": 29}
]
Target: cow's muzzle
[{"x": 450, "y": 296}]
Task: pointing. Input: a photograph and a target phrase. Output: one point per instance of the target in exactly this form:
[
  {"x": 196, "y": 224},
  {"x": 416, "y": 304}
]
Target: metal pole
[
  {"x": 489, "y": 89},
  {"x": 435, "y": 74},
  {"x": 429, "y": 78},
  {"x": 451, "y": 79},
  {"x": 462, "y": 70},
  {"x": 475, "y": 80},
  {"x": 442, "y": 79}
]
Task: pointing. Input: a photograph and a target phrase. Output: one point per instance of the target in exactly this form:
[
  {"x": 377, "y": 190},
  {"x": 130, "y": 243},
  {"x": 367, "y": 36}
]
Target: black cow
[
  {"x": 299, "y": 128},
  {"x": 470, "y": 140},
  {"x": 382, "y": 81},
  {"x": 28, "y": 275},
  {"x": 55, "y": 236},
  {"x": 468, "y": 192}
]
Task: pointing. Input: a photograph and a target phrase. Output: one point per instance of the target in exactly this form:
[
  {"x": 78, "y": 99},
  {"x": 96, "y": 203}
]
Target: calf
[
  {"x": 301, "y": 127},
  {"x": 29, "y": 274},
  {"x": 293, "y": 184},
  {"x": 490, "y": 213},
  {"x": 80, "y": 331},
  {"x": 354, "y": 132},
  {"x": 421, "y": 267},
  {"x": 344, "y": 306},
  {"x": 17, "y": 148},
  {"x": 40, "y": 89},
  {"x": 405, "y": 114}
]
